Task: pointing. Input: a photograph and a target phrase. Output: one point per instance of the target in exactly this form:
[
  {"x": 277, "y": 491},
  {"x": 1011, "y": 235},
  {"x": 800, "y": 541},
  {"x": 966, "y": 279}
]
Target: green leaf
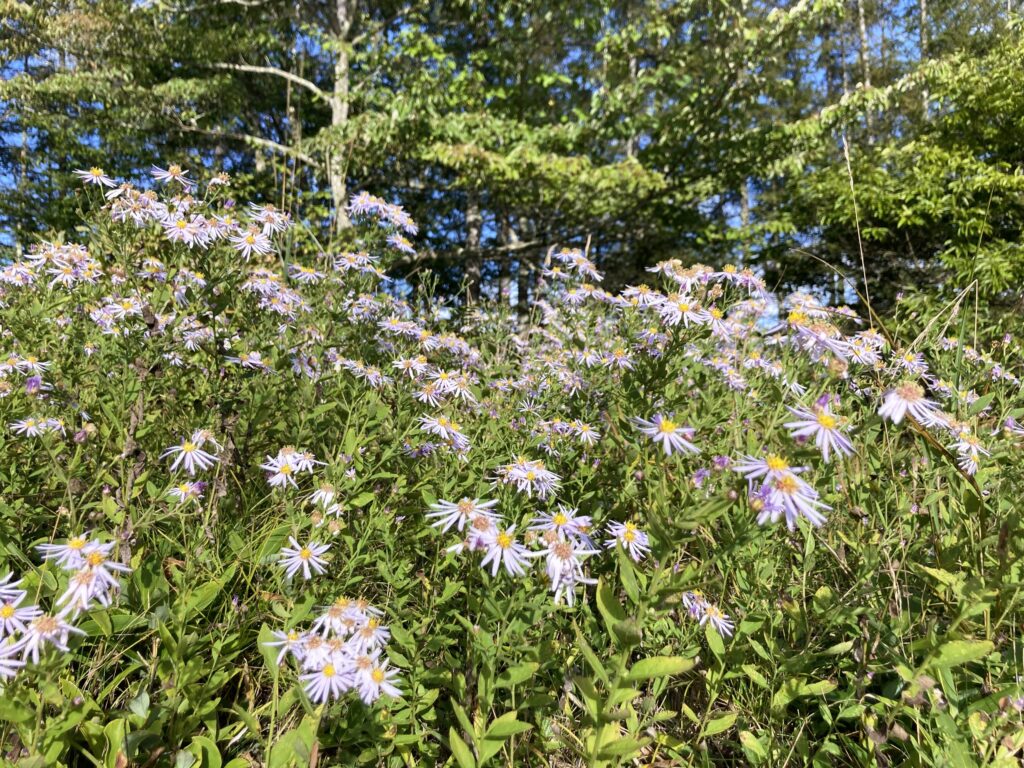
[
  {"x": 819, "y": 688},
  {"x": 591, "y": 658},
  {"x": 115, "y": 733},
  {"x": 720, "y": 724},
  {"x": 628, "y": 633},
  {"x": 981, "y": 403},
  {"x": 269, "y": 652},
  {"x": 755, "y": 675},
  {"x": 102, "y": 619},
  {"x": 206, "y": 752},
  {"x": 13, "y": 711},
  {"x": 611, "y": 611},
  {"x": 796, "y": 687},
  {"x": 198, "y": 599},
  {"x": 957, "y": 652},
  {"x": 516, "y": 675},
  {"x": 752, "y": 746},
  {"x": 506, "y": 726},
  {"x": 622, "y": 748},
  {"x": 715, "y": 642},
  {"x": 628, "y": 575},
  {"x": 460, "y": 750},
  {"x": 363, "y": 499},
  {"x": 659, "y": 666},
  {"x": 943, "y": 577}
]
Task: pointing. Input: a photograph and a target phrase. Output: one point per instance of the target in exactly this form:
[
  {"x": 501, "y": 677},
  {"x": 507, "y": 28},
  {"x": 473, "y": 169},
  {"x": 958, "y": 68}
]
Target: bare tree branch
[
  {"x": 259, "y": 141},
  {"x": 309, "y": 85}
]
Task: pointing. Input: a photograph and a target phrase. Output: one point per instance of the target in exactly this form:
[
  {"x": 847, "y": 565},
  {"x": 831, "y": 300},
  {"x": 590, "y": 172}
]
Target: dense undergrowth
[{"x": 259, "y": 511}]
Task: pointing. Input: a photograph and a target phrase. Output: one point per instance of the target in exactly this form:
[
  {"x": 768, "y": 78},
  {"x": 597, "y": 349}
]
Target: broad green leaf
[
  {"x": 460, "y": 750},
  {"x": 720, "y": 724},
  {"x": 623, "y": 747},
  {"x": 715, "y": 641},
  {"x": 506, "y": 726},
  {"x": 751, "y": 744},
  {"x": 957, "y": 652},
  {"x": 611, "y": 611},
  {"x": 516, "y": 675},
  {"x": 659, "y": 666}
]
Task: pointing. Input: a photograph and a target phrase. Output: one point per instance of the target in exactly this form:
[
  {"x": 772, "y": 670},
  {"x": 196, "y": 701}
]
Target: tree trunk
[
  {"x": 511, "y": 238},
  {"x": 745, "y": 219},
  {"x": 843, "y": 56},
  {"x": 865, "y": 57},
  {"x": 631, "y": 142},
  {"x": 523, "y": 286},
  {"x": 339, "y": 114},
  {"x": 922, "y": 44},
  {"x": 505, "y": 265},
  {"x": 474, "y": 257}
]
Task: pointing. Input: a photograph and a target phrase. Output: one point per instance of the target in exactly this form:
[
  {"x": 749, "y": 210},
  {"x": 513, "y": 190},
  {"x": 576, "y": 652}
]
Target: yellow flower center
[
  {"x": 776, "y": 463},
  {"x": 329, "y": 670},
  {"x": 827, "y": 420},
  {"x": 46, "y": 624},
  {"x": 76, "y": 543},
  {"x": 667, "y": 426},
  {"x": 910, "y": 392},
  {"x": 504, "y": 540},
  {"x": 188, "y": 446},
  {"x": 787, "y": 484},
  {"x": 377, "y": 675},
  {"x": 95, "y": 558},
  {"x": 559, "y": 519},
  {"x": 305, "y": 553},
  {"x": 6, "y": 612}
]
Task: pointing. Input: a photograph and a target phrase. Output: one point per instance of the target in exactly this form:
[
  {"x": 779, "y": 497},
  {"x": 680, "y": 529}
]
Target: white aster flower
[{"x": 306, "y": 558}]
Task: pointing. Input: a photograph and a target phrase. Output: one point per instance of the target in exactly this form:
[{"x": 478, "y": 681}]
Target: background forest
[{"x": 706, "y": 130}]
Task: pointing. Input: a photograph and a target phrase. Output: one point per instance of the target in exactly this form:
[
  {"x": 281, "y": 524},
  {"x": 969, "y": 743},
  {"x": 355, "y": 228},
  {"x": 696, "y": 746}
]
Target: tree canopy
[{"x": 876, "y": 139}]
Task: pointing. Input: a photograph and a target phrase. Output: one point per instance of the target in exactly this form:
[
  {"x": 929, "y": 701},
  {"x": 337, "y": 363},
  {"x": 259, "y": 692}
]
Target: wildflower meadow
[{"x": 262, "y": 505}]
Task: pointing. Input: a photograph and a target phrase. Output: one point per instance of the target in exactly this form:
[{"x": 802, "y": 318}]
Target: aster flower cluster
[
  {"x": 589, "y": 384},
  {"x": 344, "y": 651},
  {"x": 365, "y": 204},
  {"x": 26, "y": 630},
  {"x": 530, "y": 477},
  {"x": 781, "y": 491},
  {"x": 700, "y": 610},
  {"x": 282, "y": 469},
  {"x": 561, "y": 538}
]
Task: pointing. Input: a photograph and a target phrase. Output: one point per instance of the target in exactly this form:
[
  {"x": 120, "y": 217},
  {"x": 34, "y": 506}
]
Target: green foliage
[
  {"x": 886, "y": 635},
  {"x": 701, "y": 131}
]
